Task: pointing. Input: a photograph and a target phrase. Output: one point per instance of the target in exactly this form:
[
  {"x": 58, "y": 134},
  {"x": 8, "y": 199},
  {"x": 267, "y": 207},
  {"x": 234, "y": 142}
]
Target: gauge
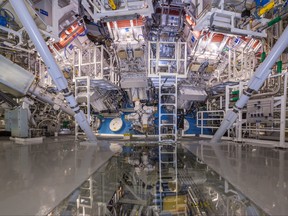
[
  {"x": 186, "y": 125},
  {"x": 116, "y": 124}
]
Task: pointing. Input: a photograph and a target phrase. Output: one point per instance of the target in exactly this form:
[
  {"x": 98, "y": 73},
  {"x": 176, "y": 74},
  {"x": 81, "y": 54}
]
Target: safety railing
[{"x": 209, "y": 119}]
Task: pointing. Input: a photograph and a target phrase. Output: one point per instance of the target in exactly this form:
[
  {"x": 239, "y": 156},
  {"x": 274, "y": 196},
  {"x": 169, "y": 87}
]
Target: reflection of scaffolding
[
  {"x": 168, "y": 185},
  {"x": 82, "y": 96},
  {"x": 85, "y": 199}
]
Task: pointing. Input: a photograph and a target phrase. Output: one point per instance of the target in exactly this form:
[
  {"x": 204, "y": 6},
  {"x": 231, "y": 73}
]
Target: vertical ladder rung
[{"x": 167, "y": 138}]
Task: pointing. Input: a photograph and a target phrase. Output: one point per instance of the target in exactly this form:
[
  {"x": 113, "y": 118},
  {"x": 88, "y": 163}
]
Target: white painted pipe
[
  {"x": 46, "y": 97},
  {"x": 53, "y": 69},
  {"x": 259, "y": 77}
]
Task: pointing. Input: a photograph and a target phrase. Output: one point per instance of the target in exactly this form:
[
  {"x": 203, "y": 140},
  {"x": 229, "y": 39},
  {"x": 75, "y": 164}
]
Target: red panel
[{"x": 175, "y": 11}]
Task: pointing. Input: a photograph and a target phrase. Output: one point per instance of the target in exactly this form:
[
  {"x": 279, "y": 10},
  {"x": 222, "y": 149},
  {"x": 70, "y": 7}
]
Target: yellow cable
[
  {"x": 112, "y": 4},
  {"x": 266, "y": 8}
]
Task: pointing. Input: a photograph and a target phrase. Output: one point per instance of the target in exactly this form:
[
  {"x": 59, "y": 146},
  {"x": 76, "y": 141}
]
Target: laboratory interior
[{"x": 143, "y": 107}]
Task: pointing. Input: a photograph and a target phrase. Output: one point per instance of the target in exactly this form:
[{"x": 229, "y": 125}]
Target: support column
[
  {"x": 257, "y": 80},
  {"x": 53, "y": 69}
]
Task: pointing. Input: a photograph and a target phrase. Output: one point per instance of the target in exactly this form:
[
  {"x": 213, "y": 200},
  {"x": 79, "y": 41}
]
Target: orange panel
[
  {"x": 190, "y": 22},
  {"x": 69, "y": 34},
  {"x": 218, "y": 38},
  {"x": 127, "y": 24}
]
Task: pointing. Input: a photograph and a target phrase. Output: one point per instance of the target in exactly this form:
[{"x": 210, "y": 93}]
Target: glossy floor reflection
[
  {"x": 35, "y": 178},
  {"x": 260, "y": 173},
  {"x": 129, "y": 184}
]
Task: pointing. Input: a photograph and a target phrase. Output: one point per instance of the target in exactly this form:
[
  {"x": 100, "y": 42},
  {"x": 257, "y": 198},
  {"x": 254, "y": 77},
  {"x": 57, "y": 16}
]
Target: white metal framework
[
  {"x": 167, "y": 107},
  {"x": 208, "y": 16},
  {"x": 95, "y": 62},
  {"x": 53, "y": 69},
  {"x": 168, "y": 184},
  {"x": 209, "y": 119},
  {"x": 102, "y": 8},
  {"x": 82, "y": 96},
  {"x": 263, "y": 118},
  {"x": 164, "y": 57}
]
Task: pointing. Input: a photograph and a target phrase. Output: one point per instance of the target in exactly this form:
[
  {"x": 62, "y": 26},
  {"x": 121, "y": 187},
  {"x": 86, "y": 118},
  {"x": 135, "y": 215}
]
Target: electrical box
[
  {"x": 138, "y": 53},
  {"x": 122, "y": 54},
  {"x": 260, "y": 110},
  {"x": 194, "y": 67},
  {"x": 16, "y": 121},
  {"x": 190, "y": 93},
  {"x": 43, "y": 9}
]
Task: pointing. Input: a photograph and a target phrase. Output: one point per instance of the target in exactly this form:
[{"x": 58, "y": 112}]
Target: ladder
[
  {"x": 82, "y": 96},
  {"x": 85, "y": 198},
  {"x": 168, "y": 185}
]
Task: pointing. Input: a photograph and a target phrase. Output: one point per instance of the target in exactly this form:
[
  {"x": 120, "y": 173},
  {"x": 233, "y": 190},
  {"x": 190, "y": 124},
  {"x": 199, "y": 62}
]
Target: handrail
[{"x": 202, "y": 118}]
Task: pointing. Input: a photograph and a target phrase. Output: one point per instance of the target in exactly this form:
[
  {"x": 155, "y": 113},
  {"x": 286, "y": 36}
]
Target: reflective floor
[
  {"x": 36, "y": 178},
  {"x": 129, "y": 184},
  {"x": 258, "y": 172},
  {"x": 229, "y": 179}
]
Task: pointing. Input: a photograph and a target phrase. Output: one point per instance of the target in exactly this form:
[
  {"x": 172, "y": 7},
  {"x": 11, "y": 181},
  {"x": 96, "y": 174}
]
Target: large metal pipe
[
  {"x": 19, "y": 82},
  {"x": 53, "y": 69},
  {"x": 40, "y": 93},
  {"x": 259, "y": 77}
]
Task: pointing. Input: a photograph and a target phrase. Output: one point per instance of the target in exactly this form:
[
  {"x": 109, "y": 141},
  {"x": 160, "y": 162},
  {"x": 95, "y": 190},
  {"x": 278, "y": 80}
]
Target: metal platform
[
  {"x": 35, "y": 178},
  {"x": 260, "y": 173}
]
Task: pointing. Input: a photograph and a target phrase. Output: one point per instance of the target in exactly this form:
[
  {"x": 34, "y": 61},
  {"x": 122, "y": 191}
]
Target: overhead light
[{"x": 214, "y": 46}]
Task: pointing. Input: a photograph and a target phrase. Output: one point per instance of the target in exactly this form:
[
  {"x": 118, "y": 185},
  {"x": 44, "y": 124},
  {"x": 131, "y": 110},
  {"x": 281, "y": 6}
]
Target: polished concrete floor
[
  {"x": 260, "y": 173},
  {"x": 34, "y": 179}
]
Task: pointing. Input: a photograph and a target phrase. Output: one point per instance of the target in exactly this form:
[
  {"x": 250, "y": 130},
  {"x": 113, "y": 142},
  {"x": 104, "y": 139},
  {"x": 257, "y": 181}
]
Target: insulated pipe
[
  {"x": 273, "y": 21},
  {"x": 275, "y": 91},
  {"x": 259, "y": 77},
  {"x": 53, "y": 69}
]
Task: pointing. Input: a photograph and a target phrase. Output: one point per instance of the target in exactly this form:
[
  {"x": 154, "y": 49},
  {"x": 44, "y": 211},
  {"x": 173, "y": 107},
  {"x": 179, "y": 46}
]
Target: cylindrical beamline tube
[
  {"x": 36, "y": 91},
  {"x": 53, "y": 69},
  {"x": 259, "y": 77},
  {"x": 34, "y": 34}
]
